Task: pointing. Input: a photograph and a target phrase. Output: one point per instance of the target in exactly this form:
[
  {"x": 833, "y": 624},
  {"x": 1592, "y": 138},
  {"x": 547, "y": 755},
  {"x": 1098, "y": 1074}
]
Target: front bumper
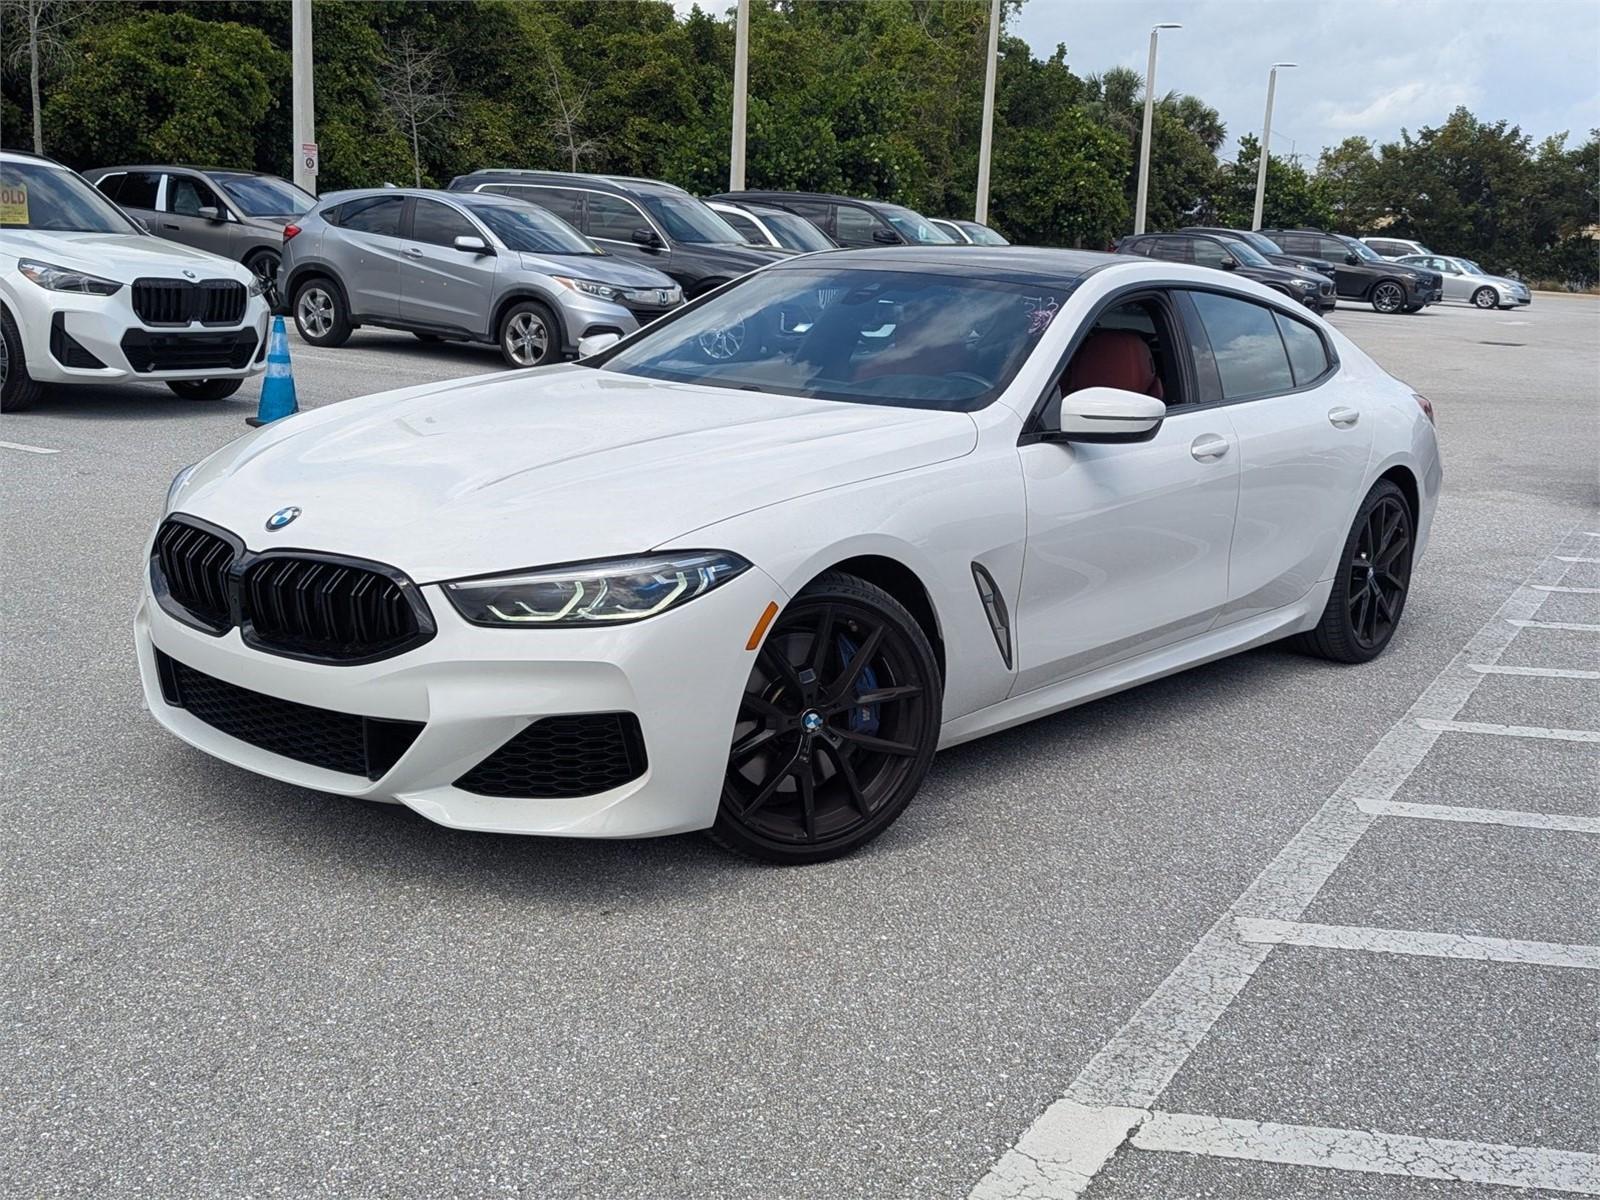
[
  {"x": 473, "y": 689},
  {"x": 60, "y": 328}
]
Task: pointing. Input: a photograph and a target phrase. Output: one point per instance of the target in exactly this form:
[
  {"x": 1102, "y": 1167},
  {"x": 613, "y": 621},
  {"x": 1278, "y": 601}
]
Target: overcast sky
[{"x": 1367, "y": 67}]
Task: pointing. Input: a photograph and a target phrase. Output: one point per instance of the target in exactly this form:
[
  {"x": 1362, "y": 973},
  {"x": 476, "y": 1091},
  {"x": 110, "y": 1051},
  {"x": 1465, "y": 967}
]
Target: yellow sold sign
[{"x": 13, "y": 204}]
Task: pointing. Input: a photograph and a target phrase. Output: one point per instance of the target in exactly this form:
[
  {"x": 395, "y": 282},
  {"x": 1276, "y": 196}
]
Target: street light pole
[
  {"x": 741, "y": 87},
  {"x": 1266, "y": 149},
  {"x": 1149, "y": 116},
  {"x": 986, "y": 141},
  {"x": 304, "y": 117}
]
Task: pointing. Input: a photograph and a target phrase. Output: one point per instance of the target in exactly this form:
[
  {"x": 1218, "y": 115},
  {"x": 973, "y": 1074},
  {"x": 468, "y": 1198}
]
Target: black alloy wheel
[
  {"x": 17, "y": 388},
  {"x": 836, "y": 729},
  {"x": 264, "y": 265},
  {"x": 1369, "y": 591},
  {"x": 1388, "y": 296}
]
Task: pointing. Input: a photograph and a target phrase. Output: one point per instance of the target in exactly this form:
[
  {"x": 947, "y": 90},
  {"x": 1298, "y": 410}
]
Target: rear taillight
[
  {"x": 1425, "y": 405},
  {"x": 289, "y": 231}
]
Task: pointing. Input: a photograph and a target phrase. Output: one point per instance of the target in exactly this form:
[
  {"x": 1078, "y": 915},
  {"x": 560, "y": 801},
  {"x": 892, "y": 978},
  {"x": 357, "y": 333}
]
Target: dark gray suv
[
  {"x": 237, "y": 214},
  {"x": 459, "y": 266}
]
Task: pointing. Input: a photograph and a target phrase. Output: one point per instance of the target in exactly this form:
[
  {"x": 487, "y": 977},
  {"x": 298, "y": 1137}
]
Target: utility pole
[
  {"x": 1266, "y": 139},
  {"x": 741, "y": 88},
  {"x": 986, "y": 141},
  {"x": 304, "y": 119},
  {"x": 1149, "y": 115}
]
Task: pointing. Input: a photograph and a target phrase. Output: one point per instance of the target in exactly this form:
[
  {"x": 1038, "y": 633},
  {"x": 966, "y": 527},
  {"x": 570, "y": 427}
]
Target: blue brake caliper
[{"x": 863, "y": 717}]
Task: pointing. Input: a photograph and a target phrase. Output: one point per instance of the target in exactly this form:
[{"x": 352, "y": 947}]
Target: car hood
[
  {"x": 1319, "y": 266},
  {"x": 547, "y": 466},
  {"x": 123, "y": 257},
  {"x": 602, "y": 268}
]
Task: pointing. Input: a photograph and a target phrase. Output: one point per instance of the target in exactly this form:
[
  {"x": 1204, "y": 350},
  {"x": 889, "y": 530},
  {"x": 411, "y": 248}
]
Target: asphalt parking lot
[{"x": 1279, "y": 918}]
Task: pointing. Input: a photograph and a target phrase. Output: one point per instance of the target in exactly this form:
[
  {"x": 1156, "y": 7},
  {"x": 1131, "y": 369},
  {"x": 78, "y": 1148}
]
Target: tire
[
  {"x": 813, "y": 773},
  {"x": 204, "y": 389},
  {"x": 18, "y": 389},
  {"x": 1486, "y": 297},
  {"x": 529, "y": 335},
  {"x": 1387, "y": 296},
  {"x": 320, "y": 314},
  {"x": 264, "y": 264},
  {"x": 1373, "y": 580}
]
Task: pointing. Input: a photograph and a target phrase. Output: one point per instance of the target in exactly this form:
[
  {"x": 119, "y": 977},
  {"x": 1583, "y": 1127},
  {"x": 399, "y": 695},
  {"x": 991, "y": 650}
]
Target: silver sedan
[{"x": 1468, "y": 283}]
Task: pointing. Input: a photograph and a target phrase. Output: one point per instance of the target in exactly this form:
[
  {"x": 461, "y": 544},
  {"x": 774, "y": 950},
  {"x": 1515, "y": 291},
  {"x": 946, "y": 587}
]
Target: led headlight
[
  {"x": 1307, "y": 284},
  {"x": 176, "y": 486},
  {"x": 589, "y": 287},
  {"x": 606, "y": 592},
  {"x": 63, "y": 279}
]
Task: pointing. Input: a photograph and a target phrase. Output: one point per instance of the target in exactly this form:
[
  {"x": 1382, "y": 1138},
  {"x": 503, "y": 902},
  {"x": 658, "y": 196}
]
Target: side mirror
[
  {"x": 1107, "y": 414},
  {"x": 597, "y": 342},
  {"x": 646, "y": 237},
  {"x": 1351, "y": 259},
  {"x": 1230, "y": 263},
  {"x": 209, "y": 212},
  {"x": 887, "y": 237},
  {"x": 472, "y": 245}
]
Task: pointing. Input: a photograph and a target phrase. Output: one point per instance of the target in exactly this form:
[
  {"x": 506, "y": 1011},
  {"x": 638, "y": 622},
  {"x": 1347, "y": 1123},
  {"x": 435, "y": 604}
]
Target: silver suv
[{"x": 462, "y": 267}]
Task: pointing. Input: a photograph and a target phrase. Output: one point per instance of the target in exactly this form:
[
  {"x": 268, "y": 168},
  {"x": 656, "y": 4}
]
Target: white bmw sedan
[{"x": 748, "y": 568}]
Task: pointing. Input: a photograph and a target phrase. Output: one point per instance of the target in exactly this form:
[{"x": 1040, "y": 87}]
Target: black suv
[
  {"x": 646, "y": 220},
  {"x": 851, "y": 221},
  {"x": 1359, "y": 274},
  {"x": 1231, "y": 254},
  {"x": 1266, "y": 247}
]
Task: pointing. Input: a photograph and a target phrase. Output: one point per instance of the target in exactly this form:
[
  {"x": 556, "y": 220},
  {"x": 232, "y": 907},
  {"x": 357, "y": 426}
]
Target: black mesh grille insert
[
  {"x": 148, "y": 351},
  {"x": 577, "y": 755},
  {"x": 178, "y": 301},
  {"x": 193, "y": 565},
  {"x": 334, "y": 741},
  {"x": 326, "y": 609}
]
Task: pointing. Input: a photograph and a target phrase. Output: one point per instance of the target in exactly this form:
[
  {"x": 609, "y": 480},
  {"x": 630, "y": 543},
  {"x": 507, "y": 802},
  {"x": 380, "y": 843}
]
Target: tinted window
[
  {"x": 853, "y": 226},
  {"x": 686, "y": 219},
  {"x": 1383, "y": 247},
  {"x": 1209, "y": 253},
  {"x": 915, "y": 227},
  {"x": 744, "y": 226},
  {"x": 1297, "y": 244},
  {"x": 613, "y": 217},
  {"x": 1307, "y": 354},
  {"x": 186, "y": 196},
  {"x": 919, "y": 340},
  {"x": 1333, "y": 250},
  {"x": 527, "y": 227},
  {"x": 1172, "y": 249},
  {"x": 439, "y": 224},
  {"x": 110, "y": 185},
  {"x": 265, "y": 195},
  {"x": 796, "y": 233},
  {"x": 1246, "y": 345},
  {"x": 374, "y": 214},
  {"x": 1141, "y": 246},
  {"x": 818, "y": 212},
  {"x": 982, "y": 235},
  {"x": 563, "y": 202},
  {"x": 139, "y": 189}
]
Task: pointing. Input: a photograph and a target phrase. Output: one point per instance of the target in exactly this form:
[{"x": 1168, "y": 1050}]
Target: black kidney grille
[
  {"x": 178, "y": 301},
  {"x": 334, "y": 741},
  {"x": 194, "y": 565},
  {"x": 577, "y": 755},
  {"x": 328, "y": 609}
]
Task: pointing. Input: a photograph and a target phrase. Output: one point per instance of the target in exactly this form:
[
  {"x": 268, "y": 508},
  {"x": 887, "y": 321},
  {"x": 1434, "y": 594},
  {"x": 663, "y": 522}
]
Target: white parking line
[
  {"x": 1420, "y": 942},
  {"x": 1579, "y": 591},
  {"x": 1557, "y": 625},
  {"x": 1372, "y": 1153},
  {"x": 27, "y": 449},
  {"x": 1576, "y": 558},
  {"x": 1561, "y": 822},
  {"x": 1522, "y": 731},
  {"x": 1536, "y": 672},
  {"x": 1058, "y": 1156}
]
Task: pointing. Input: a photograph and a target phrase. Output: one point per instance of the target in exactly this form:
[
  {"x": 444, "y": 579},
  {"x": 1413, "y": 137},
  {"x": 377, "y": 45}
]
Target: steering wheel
[{"x": 720, "y": 345}]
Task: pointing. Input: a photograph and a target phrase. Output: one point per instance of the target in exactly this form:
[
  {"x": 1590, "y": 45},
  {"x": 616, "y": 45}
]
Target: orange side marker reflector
[{"x": 760, "y": 631}]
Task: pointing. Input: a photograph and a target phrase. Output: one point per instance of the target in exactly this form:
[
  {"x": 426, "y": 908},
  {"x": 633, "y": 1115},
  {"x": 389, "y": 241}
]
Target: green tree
[
  {"x": 1292, "y": 198},
  {"x": 1061, "y": 186}
]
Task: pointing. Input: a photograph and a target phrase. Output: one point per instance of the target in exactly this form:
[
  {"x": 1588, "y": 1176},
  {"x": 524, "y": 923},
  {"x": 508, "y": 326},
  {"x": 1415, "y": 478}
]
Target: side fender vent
[{"x": 994, "y": 607}]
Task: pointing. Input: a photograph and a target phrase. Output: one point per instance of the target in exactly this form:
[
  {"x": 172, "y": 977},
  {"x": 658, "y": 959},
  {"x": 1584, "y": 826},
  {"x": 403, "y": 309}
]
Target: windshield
[
  {"x": 982, "y": 235},
  {"x": 795, "y": 232},
  {"x": 1245, "y": 252},
  {"x": 1362, "y": 250},
  {"x": 265, "y": 196},
  {"x": 39, "y": 196},
  {"x": 914, "y": 227},
  {"x": 687, "y": 220},
  {"x": 907, "y": 338},
  {"x": 525, "y": 228},
  {"x": 1471, "y": 266}
]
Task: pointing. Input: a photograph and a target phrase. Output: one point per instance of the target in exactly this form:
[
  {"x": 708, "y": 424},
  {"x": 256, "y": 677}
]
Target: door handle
[
  {"x": 168, "y": 225},
  {"x": 1208, "y": 446},
  {"x": 412, "y": 252},
  {"x": 1343, "y": 418}
]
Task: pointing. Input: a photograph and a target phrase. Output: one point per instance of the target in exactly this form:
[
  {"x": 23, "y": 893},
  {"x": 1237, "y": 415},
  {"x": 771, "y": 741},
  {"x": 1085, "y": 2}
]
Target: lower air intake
[{"x": 558, "y": 757}]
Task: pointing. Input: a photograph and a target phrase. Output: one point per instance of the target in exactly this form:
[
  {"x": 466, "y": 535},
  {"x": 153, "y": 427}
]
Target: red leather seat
[{"x": 1114, "y": 358}]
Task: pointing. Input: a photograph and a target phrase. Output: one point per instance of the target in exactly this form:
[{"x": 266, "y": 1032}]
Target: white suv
[{"x": 88, "y": 296}]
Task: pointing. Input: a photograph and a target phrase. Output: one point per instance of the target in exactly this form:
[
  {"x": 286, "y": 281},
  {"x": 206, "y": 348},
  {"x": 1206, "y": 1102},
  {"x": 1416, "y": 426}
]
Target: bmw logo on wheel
[{"x": 281, "y": 518}]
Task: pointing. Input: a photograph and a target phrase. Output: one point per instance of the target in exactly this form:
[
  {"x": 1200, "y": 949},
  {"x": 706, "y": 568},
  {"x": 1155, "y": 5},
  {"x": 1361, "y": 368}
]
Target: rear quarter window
[
  {"x": 1308, "y": 354},
  {"x": 1245, "y": 342}
]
